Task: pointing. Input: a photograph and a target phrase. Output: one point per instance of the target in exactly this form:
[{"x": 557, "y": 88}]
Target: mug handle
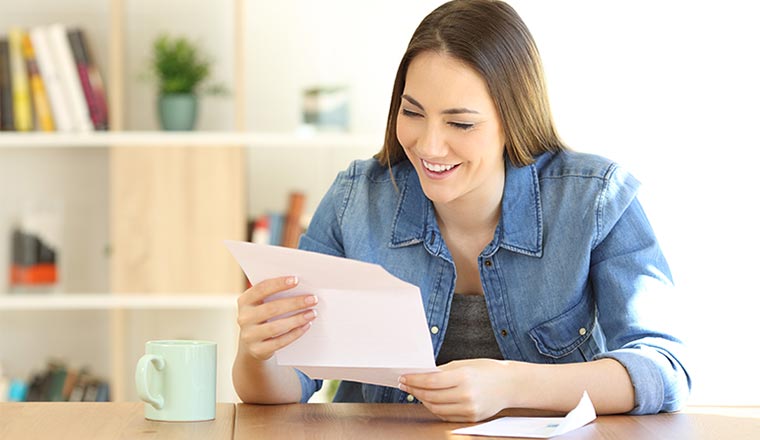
[{"x": 141, "y": 379}]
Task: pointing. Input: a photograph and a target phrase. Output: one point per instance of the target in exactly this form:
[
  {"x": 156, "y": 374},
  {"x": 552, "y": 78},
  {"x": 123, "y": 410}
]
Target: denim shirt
[{"x": 570, "y": 275}]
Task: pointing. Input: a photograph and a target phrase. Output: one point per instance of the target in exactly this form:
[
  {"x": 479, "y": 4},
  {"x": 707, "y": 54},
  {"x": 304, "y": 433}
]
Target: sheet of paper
[
  {"x": 535, "y": 427},
  {"x": 370, "y": 325}
]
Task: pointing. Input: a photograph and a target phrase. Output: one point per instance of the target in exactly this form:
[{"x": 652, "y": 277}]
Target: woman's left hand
[{"x": 463, "y": 391}]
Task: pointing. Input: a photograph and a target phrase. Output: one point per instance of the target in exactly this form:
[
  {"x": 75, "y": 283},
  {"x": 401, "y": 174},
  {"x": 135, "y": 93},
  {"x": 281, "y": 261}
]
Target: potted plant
[{"x": 180, "y": 69}]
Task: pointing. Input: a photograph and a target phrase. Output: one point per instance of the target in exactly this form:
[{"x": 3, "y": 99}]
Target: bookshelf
[
  {"x": 150, "y": 282},
  {"x": 112, "y": 304}
]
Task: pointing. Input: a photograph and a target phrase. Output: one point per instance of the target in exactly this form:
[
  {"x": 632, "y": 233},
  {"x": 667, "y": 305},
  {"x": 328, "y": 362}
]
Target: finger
[
  {"x": 441, "y": 396},
  {"x": 452, "y": 412},
  {"x": 272, "y": 309},
  {"x": 278, "y": 327},
  {"x": 284, "y": 306},
  {"x": 431, "y": 381},
  {"x": 267, "y": 348},
  {"x": 263, "y": 289}
]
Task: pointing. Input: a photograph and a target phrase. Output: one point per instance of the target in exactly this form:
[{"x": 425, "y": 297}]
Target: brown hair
[{"x": 489, "y": 37}]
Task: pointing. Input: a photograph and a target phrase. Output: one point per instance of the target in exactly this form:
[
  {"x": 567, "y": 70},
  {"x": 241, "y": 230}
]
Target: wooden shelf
[
  {"x": 105, "y": 301},
  {"x": 191, "y": 138}
]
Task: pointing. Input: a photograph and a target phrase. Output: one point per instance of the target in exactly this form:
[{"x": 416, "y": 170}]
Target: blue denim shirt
[{"x": 568, "y": 277}]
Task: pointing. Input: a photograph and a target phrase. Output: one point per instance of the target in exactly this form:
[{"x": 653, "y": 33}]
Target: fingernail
[
  {"x": 401, "y": 379},
  {"x": 310, "y": 299},
  {"x": 311, "y": 314},
  {"x": 291, "y": 281},
  {"x": 402, "y": 387}
]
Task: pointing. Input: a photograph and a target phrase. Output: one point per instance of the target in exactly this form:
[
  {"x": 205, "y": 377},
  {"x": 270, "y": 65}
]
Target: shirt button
[
  {"x": 582, "y": 331},
  {"x": 504, "y": 332},
  {"x": 434, "y": 329},
  {"x": 409, "y": 398},
  {"x": 488, "y": 263}
]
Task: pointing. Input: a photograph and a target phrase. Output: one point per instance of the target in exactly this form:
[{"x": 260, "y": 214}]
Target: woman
[{"x": 537, "y": 265}]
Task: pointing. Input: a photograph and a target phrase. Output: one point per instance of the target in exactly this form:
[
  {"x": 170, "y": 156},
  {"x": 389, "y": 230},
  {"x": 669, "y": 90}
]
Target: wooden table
[
  {"x": 76, "y": 421},
  {"x": 79, "y": 421},
  {"x": 399, "y": 421}
]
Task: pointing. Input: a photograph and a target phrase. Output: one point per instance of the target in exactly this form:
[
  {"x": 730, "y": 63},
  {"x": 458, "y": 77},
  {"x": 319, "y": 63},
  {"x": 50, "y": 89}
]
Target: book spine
[
  {"x": 37, "y": 87},
  {"x": 276, "y": 222},
  {"x": 292, "y": 228},
  {"x": 6, "y": 95},
  {"x": 92, "y": 84},
  {"x": 71, "y": 85},
  {"x": 51, "y": 77},
  {"x": 22, "y": 99}
]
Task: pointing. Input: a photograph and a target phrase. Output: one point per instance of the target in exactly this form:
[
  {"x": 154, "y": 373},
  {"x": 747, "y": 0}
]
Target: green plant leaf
[{"x": 178, "y": 65}]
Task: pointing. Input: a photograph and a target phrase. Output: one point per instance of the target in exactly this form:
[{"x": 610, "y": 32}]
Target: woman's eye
[
  {"x": 461, "y": 125},
  {"x": 410, "y": 113}
]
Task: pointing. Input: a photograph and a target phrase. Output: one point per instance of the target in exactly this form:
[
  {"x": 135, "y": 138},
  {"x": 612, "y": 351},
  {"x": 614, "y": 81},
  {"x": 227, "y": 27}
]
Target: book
[
  {"x": 72, "y": 377},
  {"x": 276, "y": 224},
  {"x": 51, "y": 77},
  {"x": 292, "y": 228},
  {"x": 72, "y": 88},
  {"x": 261, "y": 233},
  {"x": 91, "y": 391},
  {"x": 22, "y": 98},
  {"x": 33, "y": 261},
  {"x": 6, "y": 96},
  {"x": 58, "y": 375},
  {"x": 90, "y": 79},
  {"x": 42, "y": 113},
  {"x": 104, "y": 392}
]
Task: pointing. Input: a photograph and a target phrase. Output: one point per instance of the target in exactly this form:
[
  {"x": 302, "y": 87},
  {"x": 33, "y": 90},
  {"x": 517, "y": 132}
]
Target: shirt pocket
[{"x": 560, "y": 338}]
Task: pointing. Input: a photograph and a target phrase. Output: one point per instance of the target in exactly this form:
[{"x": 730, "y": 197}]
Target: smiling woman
[
  {"x": 451, "y": 133},
  {"x": 538, "y": 269}
]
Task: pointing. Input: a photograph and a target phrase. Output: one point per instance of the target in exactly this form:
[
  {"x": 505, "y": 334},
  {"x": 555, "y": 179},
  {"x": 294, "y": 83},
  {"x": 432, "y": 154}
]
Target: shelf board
[
  {"x": 189, "y": 138},
  {"x": 106, "y": 301}
]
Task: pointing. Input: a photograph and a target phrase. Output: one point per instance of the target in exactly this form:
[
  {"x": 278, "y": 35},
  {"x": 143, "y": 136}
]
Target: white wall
[{"x": 670, "y": 89}]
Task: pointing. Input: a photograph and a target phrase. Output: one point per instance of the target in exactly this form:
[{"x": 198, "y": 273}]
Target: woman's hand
[
  {"x": 262, "y": 338},
  {"x": 464, "y": 391}
]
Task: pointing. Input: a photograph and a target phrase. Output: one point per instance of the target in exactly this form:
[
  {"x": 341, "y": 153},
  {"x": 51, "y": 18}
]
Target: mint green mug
[{"x": 177, "y": 380}]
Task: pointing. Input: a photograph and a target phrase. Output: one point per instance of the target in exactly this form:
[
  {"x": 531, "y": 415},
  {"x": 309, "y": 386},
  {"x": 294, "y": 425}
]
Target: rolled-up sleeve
[{"x": 633, "y": 288}]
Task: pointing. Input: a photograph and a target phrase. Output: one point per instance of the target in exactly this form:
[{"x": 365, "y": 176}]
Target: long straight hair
[{"x": 489, "y": 37}]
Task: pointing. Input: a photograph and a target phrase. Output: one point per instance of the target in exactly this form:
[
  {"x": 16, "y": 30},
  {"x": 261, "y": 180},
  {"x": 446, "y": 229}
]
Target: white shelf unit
[
  {"x": 108, "y": 301},
  {"x": 252, "y": 140},
  {"x": 107, "y": 330}
]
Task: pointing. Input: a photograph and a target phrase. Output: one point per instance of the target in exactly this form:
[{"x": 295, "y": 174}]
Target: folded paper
[
  {"x": 535, "y": 427},
  {"x": 370, "y": 325}
]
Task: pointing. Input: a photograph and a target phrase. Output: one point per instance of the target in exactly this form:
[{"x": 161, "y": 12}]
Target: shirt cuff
[
  {"x": 648, "y": 387},
  {"x": 309, "y": 386}
]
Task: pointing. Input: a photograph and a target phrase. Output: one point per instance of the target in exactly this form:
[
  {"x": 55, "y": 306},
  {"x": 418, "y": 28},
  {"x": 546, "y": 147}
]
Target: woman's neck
[{"x": 476, "y": 213}]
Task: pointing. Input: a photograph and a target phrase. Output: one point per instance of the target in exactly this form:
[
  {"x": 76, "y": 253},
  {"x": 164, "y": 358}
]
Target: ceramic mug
[{"x": 177, "y": 380}]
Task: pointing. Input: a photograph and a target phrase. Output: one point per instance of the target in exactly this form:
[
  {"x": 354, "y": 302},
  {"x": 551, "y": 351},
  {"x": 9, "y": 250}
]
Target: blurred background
[{"x": 667, "y": 89}]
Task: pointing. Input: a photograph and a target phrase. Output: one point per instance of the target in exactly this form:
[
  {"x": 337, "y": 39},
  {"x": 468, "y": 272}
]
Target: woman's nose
[{"x": 432, "y": 143}]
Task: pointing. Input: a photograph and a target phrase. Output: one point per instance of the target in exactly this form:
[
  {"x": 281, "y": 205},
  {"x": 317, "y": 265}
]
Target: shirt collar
[{"x": 520, "y": 228}]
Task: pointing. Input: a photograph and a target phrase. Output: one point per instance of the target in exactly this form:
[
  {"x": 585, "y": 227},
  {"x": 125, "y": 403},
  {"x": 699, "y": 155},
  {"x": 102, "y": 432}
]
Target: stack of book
[
  {"x": 281, "y": 229},
  {"x": 33, "y": 260},
  {"x": 50, "y": 82},
  {"x": 59, "y": 383}
]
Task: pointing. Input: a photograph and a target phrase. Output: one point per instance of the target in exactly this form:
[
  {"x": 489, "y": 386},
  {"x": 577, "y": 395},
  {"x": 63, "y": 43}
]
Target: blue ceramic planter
[{"x": 178, "y": 111}]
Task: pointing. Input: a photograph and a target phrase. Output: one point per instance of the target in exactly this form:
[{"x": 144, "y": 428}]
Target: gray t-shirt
[{"x": 469, "y": 334}]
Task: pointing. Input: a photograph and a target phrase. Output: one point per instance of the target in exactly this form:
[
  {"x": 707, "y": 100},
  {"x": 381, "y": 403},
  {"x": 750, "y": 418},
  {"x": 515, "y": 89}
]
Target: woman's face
[{"x": 450, "y": 130}]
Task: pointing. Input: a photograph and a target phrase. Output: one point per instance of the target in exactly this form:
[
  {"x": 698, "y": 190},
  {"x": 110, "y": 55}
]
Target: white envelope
[{"x": 370, "y": 325}]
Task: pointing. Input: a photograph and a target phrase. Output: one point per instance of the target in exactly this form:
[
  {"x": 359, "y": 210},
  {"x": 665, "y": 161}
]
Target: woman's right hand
[{"x": 261, "y": 337}]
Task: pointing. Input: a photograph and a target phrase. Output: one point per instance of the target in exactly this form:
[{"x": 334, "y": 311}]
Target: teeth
[{"x": 436, "y": 167}]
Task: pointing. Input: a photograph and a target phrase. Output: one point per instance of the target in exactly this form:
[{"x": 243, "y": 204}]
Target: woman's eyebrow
[{"x": 448, "y": 111}]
